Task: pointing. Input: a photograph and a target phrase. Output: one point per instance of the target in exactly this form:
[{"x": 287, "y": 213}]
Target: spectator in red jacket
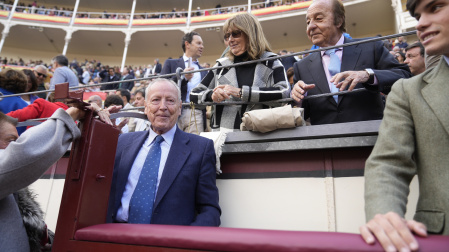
[{"x": 40, "y": 108}]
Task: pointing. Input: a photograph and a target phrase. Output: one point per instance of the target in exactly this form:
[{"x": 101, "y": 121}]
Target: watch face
[{"x": 371, "y": 75}]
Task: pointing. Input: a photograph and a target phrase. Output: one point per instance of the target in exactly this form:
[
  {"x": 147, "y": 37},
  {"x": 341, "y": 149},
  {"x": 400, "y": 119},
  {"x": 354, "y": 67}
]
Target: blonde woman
[{"x": 256, "y": 82}]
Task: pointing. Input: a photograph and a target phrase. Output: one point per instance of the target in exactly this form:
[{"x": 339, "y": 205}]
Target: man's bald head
[{"x": 97, "y": 99}]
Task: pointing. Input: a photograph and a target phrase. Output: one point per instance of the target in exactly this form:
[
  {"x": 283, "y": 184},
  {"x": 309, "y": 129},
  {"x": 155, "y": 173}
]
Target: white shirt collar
[
  {"x": 340, "y": 42},
  {"x": 185, "y": 58},
  {"x": 168, "y": 136}
]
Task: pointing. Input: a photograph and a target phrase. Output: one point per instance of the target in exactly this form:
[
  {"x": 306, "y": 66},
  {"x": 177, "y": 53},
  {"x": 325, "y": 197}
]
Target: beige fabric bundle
[{"x": 266, "y": 120}]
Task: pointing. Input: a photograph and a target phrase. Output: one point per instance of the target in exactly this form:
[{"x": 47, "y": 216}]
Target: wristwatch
[{"x": 371, "y": 75}]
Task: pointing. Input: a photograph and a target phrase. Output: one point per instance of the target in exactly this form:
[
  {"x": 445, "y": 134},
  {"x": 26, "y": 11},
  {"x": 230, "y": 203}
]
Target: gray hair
[
  {"x": 61, "y": 60},
  {"x": 95, "y": 98},
  {"x": 154, "y": 81},
  {"x": 7, "y": 119},
  {"x": 40, "y": 67}
]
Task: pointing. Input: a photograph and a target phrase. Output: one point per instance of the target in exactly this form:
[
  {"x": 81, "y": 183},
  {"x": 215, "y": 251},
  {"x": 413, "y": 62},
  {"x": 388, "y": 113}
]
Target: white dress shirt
[
  {"x": 196, "y": 79},
  {"x": 134, "y": 174}
]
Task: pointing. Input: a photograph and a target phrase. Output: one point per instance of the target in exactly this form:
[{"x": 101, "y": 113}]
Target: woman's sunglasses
[
  {"x": 235, "y": 34},
  {"x": 41, "y": 74}
]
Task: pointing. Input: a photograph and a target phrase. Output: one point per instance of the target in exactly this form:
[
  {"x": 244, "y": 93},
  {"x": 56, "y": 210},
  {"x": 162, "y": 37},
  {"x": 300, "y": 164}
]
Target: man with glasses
[{"x": 41, "y": 74}]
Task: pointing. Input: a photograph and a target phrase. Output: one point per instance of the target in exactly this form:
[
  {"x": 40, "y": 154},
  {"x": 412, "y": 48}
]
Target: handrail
[
  {"x": 232, "y": 65},
  {"x": 126, "y": 15},
  {"x": 285, "y": 100}
]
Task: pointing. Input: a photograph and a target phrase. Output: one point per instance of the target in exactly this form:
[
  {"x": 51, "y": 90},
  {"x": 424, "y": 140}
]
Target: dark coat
[
  {"x": 187, "y": 194},
  {"x": 109, "y": 86},
  {"x": 171, "y": 65},
  {"x": 360, "y": 106}
]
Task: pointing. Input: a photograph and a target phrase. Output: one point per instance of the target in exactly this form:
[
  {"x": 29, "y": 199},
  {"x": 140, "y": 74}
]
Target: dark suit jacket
[
  {"x": 109, "y": 86},
  {"x": 187, "y": 194},
  {"x": 171, "y": 65},
  {"x": 127, "y": 85},
  {"x": 360, "y": 106},
  {"x": 157, "y": 68},
  {"x": 288, "y": 62}
]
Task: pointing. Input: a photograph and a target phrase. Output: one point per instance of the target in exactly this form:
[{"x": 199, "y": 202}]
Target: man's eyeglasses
[
  {"x": 235, "y": 34},
  {"x": 41, "y": 74}
]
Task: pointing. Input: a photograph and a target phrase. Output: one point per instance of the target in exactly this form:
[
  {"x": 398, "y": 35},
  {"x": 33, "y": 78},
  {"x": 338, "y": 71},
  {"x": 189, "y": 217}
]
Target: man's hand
[
  {"x": 75, "y": 113},
  {"x": 121, "y": 124},
  {"x": 351, "y": 78},
  {"x": 300, "y": 89},
  {"x": 393, "y": 232},
  {"x": 224, "y": 92},
  {"x": 190, "y": 75}
]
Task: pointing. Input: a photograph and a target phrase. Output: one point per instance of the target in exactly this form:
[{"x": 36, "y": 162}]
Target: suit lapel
[
  {"x": 432, "y": 93},
  {"x": 350, "y": 57},
  {"x": 203, "y": 73},
  {"x": 349, "y": 60},
  {"x": 320, "y": 78},
  {"x": 127, "y": 159},
  {"x": 316, "y": 64},
  {"x": 179, "y": 152},
  {"x": 181, "y": 64}
]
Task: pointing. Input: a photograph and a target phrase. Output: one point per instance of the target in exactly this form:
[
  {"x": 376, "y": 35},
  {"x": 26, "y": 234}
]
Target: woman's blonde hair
[{"x": 257, "y": 44}]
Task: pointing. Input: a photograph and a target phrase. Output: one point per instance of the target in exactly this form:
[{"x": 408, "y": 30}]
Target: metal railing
[
  {"x": 179, "y": 72},
  {"x": 142, "y": 15}
]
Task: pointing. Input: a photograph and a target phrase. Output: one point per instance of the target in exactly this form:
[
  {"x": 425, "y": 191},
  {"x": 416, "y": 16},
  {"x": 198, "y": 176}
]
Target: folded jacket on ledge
[{"x": 266, "y": 120}]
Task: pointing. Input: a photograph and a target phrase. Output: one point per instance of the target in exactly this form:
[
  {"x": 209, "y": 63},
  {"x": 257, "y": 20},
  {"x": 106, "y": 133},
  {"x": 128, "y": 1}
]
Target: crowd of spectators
[
  {"x": 34, "y": 8},
  {"x": 246, "y": 83}
]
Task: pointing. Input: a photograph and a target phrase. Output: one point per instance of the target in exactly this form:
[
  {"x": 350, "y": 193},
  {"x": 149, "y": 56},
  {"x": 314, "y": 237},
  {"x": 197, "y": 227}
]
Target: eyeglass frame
[
  {"x": 41, "y": 74},
  {"x": 234, "y": 34}
]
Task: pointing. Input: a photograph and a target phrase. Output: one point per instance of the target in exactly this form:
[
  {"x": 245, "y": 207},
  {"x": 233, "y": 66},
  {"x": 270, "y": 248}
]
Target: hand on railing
[{"x": 393, "y": 232}]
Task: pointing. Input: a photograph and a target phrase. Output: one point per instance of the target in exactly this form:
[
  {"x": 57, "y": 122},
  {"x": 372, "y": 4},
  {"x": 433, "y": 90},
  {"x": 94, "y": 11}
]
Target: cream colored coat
[{"x": 413, "y": 139}]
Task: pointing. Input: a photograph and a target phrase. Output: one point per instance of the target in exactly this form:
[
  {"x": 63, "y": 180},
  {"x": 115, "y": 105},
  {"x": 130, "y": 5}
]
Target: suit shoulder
[
  {"x": 309, "y": 57},
  {"x": 195, "y": 139},
  {"x": 127, "y": 137},
  {"x": 378, "y": 43},
  {"x": 171, "y": 61},
  {"x": 409, "y": 87}
]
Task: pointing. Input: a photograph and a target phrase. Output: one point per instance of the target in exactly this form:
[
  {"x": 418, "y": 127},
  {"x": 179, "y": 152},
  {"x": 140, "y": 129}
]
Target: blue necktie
[
  {"x": 141, "y": 204},
  {"x": 334, "y": 68}
]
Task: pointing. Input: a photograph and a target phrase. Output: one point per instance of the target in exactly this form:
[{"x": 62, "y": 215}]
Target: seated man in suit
[
  {"x": 368, "y": 65},
  {"x": 164, "y": 175},
  {"x": 413, "y": 140}
]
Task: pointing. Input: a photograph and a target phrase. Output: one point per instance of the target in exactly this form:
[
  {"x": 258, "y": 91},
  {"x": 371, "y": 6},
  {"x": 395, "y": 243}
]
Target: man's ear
[
  {"x": 180, "y": 108},
  {"x": 339, "y": 23},
  {"x": 146, "y": 109}
]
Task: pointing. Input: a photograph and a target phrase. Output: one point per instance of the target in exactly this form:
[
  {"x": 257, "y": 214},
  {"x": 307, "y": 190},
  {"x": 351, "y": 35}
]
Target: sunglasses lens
[{"x": 234, "y": 34}]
